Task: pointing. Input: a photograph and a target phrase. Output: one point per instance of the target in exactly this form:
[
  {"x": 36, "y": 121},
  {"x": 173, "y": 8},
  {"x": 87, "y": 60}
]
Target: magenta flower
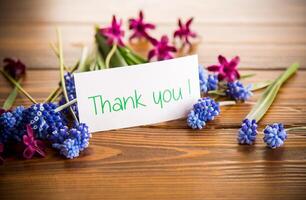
[
  {"x": 226, "y": 70},
  {"x": 32, "y": 144},
  {"x": 114, "y": 33},
  {"x": 161, "y": 49},
  {"x": 15, "y": 68},
  {"x": 140, "y": 28},
  {"x": 184, "y": 32},
  {"x": 2, "y": 111},
  {"x": 1, "y": 150}
]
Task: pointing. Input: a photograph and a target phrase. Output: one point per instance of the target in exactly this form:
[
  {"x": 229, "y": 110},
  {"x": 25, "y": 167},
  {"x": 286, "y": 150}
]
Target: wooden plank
[
  {"x": 258, "y": 46},
  {"x": 96, "y": 11},
  {"x": 145, "y": 163}
]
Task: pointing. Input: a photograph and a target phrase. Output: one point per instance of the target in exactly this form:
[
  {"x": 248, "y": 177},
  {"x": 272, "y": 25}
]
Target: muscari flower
[
  {"x": 194, "y": 122},
  {"x": 140, "y": 28},
  {"x": 275, "y": 135},
  {"x": 70, "y": 87},
  {"x": 226, "y": 70},
  {"x": 77, "y": 140},
  {"x": 183, "y": 32},
  {"x": 203, "y": 111},
  {"x": 248, "y": 131},
  {"x": 207, "y": 81},
  {"x": 15, "y": 68},
  {"x": 32, "y": 145},
  {"x": 161, "y": 49},
  {"x": 114, "y": 33},
  {"x": 42, "y": 118},
  {"x": 235, "y": 90},
  {"x": 7, "y": 123}
]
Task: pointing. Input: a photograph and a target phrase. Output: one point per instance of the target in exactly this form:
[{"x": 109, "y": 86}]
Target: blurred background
[{"x": 265, "y": 34}]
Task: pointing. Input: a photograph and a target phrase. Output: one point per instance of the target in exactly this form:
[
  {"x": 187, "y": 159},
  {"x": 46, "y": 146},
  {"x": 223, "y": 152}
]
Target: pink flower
[
  {"x": 139, "y": 27},
  {"x": 1, "y": 150},
  {"x": 226, "y": 70},
  {"x": 32, "y": 144},
  {"x": 114, "y": 33},
  {"x": 2, "y": 111},
  {"x": 184, "y": 32},
  {"x": 161, "y": 49},
  {"x": 15, "y": 68}
]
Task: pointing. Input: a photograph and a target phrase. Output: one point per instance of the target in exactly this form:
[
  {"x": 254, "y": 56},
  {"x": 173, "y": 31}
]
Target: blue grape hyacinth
[
  {"x": 72, "y": 143},
  {"x": 248, "y": 132},
  {"x": 71, "y": 92},
  {"x": 193, "y": 120},
  {"x": 203, "y": 111},
  {"x": 275, "y": 135},
  {"x": 7, "y": 123},
  {"x": 207, "y": 81},
  {"x": 235, "y": 90},
  {"x": 42, "y": 117}
]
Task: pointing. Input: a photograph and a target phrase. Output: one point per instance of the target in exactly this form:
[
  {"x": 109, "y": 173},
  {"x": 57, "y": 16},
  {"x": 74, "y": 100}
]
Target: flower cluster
[
  {"x": 71, "y": 142},
  {"x": 226, "y": 70},
  {"x": 162, "y": 50},
  {"x": 70, "y": 88},
  {"x": 15, "y": 68},
  {"x": 206, "y": 109},
  {"x": 139, "y": 28},
  {"x": 275, "y": 135},
  {"x": 41, "y": 121},
  {"x": 208, "y": 82},
  {"x": 235, "y": 90},
  {"x": 184, "y": 32},
  {"x": 114, "y": 33},
  {"x": 248, "y": 131}
]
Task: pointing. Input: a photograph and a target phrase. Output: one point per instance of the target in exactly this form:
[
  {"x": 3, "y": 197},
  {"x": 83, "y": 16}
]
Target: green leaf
[
  {"x": 267, "y": 98},
  {"x": 9, "y": 102},
  {"x": 247, "y": 76}
]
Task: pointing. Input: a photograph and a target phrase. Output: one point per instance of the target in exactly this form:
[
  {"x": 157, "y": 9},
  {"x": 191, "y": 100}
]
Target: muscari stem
[
  {"x": 227, "y": 103},
  {"x": 109, "y": 55},
  {"x": 68, "y": 104},
  {"x": 296, "y": 128},
  {"x": 15, "y": 83},
  {"x": 61, "y": 59},
  {"x": 247, "y": 76}
]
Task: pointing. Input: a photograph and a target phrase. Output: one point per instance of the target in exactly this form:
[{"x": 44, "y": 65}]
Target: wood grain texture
[{"x": 166, "y": 160}]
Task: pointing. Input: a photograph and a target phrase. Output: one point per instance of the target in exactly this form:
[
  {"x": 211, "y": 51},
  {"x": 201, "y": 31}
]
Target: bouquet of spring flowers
[{"x": 55, "y": 121}]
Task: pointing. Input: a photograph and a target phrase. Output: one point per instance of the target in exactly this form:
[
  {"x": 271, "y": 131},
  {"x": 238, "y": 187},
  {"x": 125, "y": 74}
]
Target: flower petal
[
  {"x": 28, "y": 153},
  {"x": 222, "y": 60},
  {"x": 213, "y": 68}
]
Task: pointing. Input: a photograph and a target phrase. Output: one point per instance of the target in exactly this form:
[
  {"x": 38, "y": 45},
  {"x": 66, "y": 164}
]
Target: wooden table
[{"x": 167, "y": 160}]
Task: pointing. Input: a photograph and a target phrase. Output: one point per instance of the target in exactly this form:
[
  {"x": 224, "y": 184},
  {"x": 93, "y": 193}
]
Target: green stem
[
  {"x": 261, "y": 85},
  {"x": 227, "y": 103},
  {"x": 62, "y": 107},
  {"x": 61, "y": 60},
  {"x": 16, "y": 84},
  {"x": 109, "y": 55},
  {"x": 217, "y": 92},
  {"x": 247, "y": 76},
  {"x": 296, "y": 128}
]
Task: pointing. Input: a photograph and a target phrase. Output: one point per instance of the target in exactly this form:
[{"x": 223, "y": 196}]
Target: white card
[{"x": 137, "y": 95}]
